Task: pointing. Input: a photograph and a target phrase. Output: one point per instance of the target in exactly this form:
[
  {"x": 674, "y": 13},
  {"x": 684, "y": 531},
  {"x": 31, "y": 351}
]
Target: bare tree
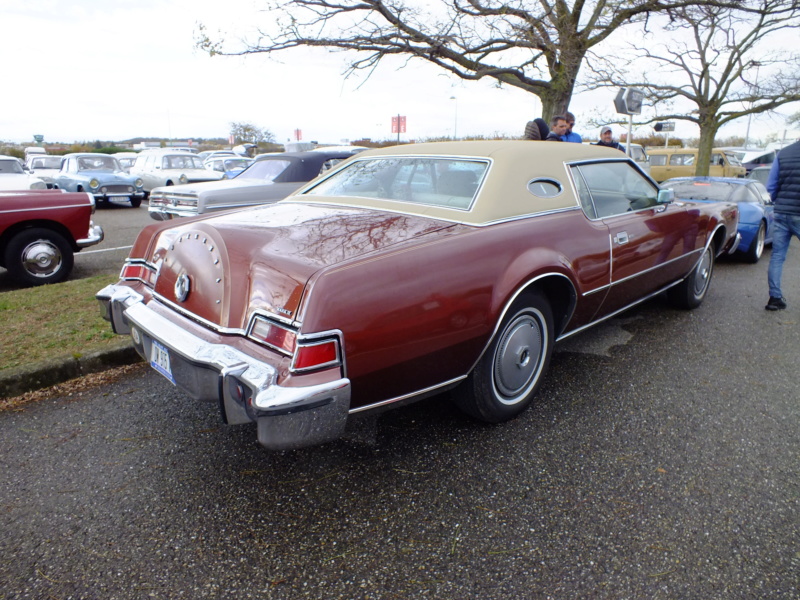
[
  {"x": 712, "y": 60},
  {"x": 535, "y": 46},
  {"x": 247, "y": 132}
]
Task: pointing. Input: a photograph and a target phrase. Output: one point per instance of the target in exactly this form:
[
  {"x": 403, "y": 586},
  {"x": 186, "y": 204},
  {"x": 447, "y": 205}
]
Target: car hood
[
  {"x": 18, "y": 181},
  {"x": 262, "y": 259}
]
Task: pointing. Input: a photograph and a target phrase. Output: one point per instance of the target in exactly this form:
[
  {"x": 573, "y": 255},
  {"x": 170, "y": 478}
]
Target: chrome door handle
[{"x": 621, "y": 238}]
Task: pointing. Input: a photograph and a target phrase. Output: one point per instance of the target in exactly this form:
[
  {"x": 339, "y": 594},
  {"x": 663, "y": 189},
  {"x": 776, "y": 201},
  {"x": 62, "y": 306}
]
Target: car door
[{"x": 652, "y": 244}]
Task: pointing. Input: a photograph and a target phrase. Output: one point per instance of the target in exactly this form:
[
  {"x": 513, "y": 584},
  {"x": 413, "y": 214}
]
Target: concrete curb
[{"x": 19, "y": 380}]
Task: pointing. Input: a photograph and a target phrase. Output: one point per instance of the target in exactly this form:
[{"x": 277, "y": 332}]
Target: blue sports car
[
  {"x": 755, "y": 206},
  {"x": 100, "y": 175}
]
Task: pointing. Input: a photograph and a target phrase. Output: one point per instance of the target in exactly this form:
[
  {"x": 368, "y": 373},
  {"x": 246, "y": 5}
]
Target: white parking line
[{"x": 85, "y": 252}]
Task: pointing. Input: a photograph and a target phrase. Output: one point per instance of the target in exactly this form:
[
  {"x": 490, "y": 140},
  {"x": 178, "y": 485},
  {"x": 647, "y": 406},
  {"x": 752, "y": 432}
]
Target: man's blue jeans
[{"x": 784, "y": 228}]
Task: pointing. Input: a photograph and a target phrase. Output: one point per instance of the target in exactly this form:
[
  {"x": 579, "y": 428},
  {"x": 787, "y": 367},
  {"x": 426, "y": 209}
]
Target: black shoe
[{"x": 776, "y": 304}]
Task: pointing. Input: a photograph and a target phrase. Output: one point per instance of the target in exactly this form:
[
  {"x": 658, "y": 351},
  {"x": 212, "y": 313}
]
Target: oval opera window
[{"x": 544, "y": 188}]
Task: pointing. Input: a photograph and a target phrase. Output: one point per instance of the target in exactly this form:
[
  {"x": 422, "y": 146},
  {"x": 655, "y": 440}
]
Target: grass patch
[{"x": 53, "y": 321}]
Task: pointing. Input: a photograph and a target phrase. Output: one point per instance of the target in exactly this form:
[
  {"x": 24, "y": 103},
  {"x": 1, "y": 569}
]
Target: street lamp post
[
  {"x": 757, "y": 65},
  {"x": 455, "y": 124}
]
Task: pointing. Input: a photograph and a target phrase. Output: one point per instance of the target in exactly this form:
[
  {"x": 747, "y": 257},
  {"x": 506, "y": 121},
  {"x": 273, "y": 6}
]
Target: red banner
[{"x": 398, "y": 124}]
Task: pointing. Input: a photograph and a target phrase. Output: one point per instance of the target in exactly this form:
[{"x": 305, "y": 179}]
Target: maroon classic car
[
  {"x": 41, "y": 229},
  {"x": 405, "y": 272}
]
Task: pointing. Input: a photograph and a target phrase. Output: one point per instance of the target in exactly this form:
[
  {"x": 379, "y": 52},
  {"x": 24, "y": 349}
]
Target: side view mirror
[{"x": 666, "y": 196}]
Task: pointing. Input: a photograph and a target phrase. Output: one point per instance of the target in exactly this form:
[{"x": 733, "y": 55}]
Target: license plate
[{"x": 159, "y": 360}]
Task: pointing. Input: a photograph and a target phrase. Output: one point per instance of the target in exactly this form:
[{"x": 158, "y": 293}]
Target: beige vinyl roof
[{"x": 504, "y": 192}]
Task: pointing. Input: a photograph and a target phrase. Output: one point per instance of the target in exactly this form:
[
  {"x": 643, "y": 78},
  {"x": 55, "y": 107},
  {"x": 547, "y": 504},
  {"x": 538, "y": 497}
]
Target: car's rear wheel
[
  {"x": 756, "y": 249},
  {"x": 508, "y": 374},
  {"x": 38, "y": 256},
  {"x": 690, "y": 292}
]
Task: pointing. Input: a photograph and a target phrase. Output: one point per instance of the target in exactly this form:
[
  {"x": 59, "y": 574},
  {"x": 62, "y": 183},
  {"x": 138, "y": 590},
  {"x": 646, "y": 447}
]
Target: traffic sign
[{"x": 629, "y": 101}]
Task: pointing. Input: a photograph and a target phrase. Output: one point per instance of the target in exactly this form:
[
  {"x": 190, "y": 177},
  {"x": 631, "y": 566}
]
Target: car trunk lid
[{"x": 220, "y": 270}]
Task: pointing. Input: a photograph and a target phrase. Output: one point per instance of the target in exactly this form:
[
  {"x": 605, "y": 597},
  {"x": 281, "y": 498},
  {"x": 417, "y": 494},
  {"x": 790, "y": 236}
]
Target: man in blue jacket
[
  {"x": 569, "y": 135},
  {"x": 784, "y": 188}
]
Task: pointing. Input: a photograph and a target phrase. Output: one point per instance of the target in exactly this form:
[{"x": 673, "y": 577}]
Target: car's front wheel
[
  {"x": 508, "y": 374},
  {"x": 38, "y": 256},
  {"x": 135, "y": 202},
  {"x": 690, "y": 292},
  {"x": 756, "y": 249}
]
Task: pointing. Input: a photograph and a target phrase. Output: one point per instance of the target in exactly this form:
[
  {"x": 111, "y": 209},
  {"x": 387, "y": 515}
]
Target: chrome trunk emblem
[{"x": 182, "y": 287}]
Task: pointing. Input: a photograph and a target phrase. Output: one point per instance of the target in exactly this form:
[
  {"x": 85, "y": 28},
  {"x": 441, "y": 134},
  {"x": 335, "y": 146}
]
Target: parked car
[
  {"x": 100, "y": 175},
  {"x": 639, "y": 155},
  {"x": 40, "y": 230},
  {"x": 229, "y": 166},
  {"x": 126, "y": 159},
  {"x": 271, "y": 177},
  {"x": 170, "y": 167},
  {"x": 666, "y": 163},
  {"x": 204, "y": 156},
  {"x": 45, "y": 167},
  {"x": 14, "y": 177},
  {"x": 404, "y": 272},
  {"x": 760, "y": 174},
  {"x": 756, "y": 214},
  {"x": 752, "y": 159}
]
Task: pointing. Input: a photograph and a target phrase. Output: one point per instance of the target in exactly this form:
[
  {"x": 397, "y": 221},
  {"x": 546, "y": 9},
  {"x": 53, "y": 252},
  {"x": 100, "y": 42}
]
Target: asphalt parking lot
[{"x": 660, "y": 462}]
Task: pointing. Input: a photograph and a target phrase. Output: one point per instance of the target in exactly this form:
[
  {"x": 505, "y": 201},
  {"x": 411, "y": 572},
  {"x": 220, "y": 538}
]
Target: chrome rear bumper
[{"x": 244, "y": 386}]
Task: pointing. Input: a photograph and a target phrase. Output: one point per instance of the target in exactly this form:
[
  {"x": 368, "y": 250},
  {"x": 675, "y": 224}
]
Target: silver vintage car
[{"x": 270, "y": 178}]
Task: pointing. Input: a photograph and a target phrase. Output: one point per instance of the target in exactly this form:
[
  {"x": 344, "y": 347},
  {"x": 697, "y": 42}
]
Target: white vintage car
[
  {"x": 159, "y": 168},
  {"x": 14, "y": 177}
]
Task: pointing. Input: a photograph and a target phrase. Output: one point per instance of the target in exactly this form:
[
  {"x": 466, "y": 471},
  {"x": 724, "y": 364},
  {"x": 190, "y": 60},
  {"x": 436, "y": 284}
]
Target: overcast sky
[{"x": 82, "y": 70}]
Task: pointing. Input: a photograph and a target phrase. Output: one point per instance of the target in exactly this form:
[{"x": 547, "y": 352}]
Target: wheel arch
[
  {"x": 559, "y": 291},
  {"x": 717, "y": 239},
  {"x": 12, "y": 231}
]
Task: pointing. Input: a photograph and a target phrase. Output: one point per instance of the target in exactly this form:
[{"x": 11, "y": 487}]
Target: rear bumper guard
[{"x": 244, "y": 386}]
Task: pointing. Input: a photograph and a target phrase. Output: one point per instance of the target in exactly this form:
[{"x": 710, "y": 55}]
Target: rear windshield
[{"x": 431, "y": 181}]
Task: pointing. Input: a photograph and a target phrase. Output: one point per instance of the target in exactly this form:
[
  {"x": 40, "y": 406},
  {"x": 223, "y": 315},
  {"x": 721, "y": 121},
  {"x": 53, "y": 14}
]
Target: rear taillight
[
  {"x": 316, "y": 355},
  {"x": 271, "y": 334},
  {"x": 317, "y": 351}
]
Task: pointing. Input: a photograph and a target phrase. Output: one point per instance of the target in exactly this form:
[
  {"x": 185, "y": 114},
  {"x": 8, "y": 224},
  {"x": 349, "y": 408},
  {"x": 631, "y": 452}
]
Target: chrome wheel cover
[
  {"x": 702, "y": 275},
  {"x": 41, "y": 258},
  {"x": 519, "y": 357},
  {"x": 760, "y": 237}
]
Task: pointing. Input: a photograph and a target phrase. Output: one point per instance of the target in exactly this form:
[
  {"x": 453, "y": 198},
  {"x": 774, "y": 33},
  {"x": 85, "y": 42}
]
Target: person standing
[
  {"x": 536, "y": 130},
  {"x": 607, "y": 140},
  {"x": 558, "y": 127},
  {"x": 783, "y": 185},
  {"x": 569, "y": 135}
]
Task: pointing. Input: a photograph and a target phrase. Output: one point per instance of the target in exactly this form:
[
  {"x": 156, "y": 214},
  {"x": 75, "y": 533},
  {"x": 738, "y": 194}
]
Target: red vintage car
[
  {"x": 405, "y": 272},
  {"x": 41, "y": 229}
]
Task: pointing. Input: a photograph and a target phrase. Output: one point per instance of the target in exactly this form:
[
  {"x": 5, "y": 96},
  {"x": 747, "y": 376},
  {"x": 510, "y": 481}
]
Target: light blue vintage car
[{"x": 102, "y": 176}]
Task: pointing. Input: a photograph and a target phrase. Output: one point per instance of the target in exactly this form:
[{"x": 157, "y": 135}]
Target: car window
[
  {"x": 658, "y": 160},
  {"x": 181, "y": 161},
  {"x": 432, "y": 181},
  {"x": 97, "y": 163},
  {"x": 761, "y": 191},
  {"x": 676, "y": 160},
  {"x": 615, "y": 188},
  {"x": 733, "y": 159},
  {"x": 11, "y": 166},
  {"x": 46, "y": 162},
  {"x": 583, "y": 195},
  {"x": 265, "y": 169}
]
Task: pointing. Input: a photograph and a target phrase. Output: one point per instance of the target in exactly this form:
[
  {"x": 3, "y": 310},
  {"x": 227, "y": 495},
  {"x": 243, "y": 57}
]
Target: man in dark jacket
[
  {"x": 558, "y": 127},
  {"x": 607, "y": 139},
  {"x": 784, "y": 188}
]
